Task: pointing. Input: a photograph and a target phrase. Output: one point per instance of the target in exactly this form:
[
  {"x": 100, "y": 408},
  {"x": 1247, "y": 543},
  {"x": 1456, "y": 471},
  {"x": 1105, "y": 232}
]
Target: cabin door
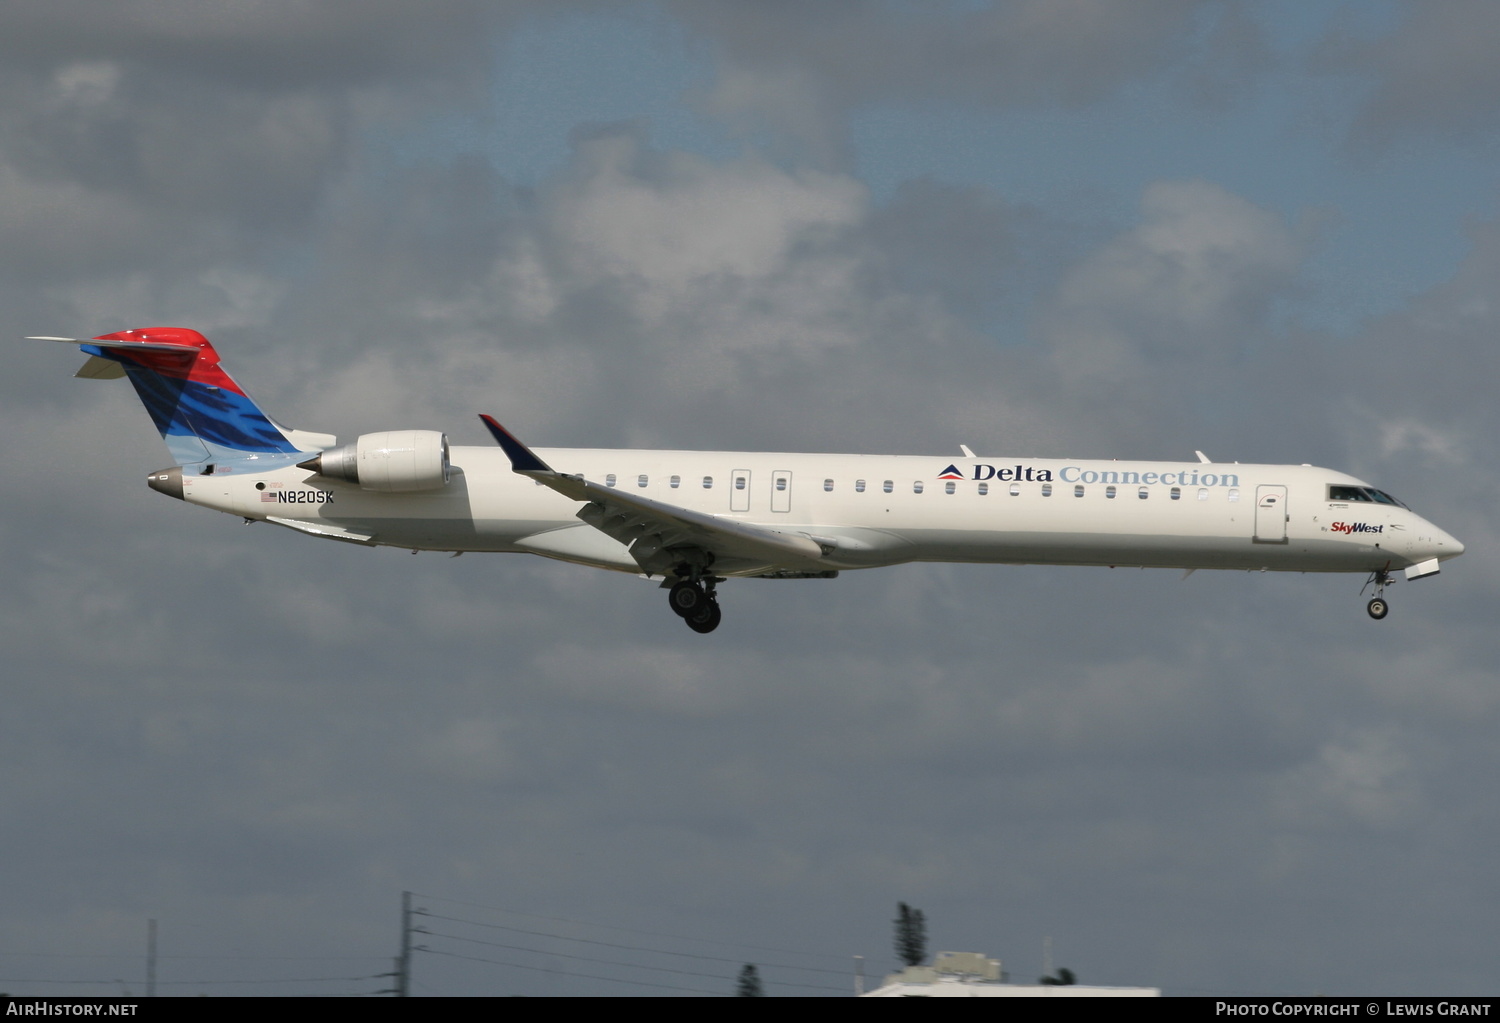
[{"x": 1270, "y": 514}]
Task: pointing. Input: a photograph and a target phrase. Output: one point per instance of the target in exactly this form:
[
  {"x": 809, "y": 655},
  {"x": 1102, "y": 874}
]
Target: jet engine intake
[{"x": 398, "y": 462}]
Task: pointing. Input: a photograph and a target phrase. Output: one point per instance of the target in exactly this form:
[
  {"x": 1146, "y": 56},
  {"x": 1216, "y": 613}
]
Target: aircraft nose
[{"x": 1443, "y": 545}]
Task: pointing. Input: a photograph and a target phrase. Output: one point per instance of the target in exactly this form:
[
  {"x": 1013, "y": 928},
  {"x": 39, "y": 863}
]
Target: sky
[{"x": 1041, "y": 228}]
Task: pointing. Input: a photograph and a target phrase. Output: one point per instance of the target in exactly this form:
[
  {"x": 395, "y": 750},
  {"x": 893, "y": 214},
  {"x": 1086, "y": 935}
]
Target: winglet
[{"x": 521, "y": 457}]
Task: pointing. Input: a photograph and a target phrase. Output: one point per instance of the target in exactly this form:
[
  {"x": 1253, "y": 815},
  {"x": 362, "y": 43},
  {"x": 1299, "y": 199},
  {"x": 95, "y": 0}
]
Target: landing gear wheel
[
  {"x": 687, "y": 598},
  {"x": 1380, "y": 578},
  {"x": 706, "y": 620}
]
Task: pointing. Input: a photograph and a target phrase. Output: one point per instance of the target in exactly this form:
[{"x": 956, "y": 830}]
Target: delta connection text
[{"x": 1078, "y": 474}]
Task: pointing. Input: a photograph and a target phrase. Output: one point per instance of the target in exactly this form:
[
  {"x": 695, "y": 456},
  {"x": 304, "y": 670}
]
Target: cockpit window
[{"x": 1365, "y": 495}]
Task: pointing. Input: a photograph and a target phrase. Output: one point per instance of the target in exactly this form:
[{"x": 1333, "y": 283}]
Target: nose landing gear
[{"x": 1377, "y": 607}]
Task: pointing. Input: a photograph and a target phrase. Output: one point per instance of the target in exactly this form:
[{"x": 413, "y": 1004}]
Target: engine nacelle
[{"x": 399, "y": 462}]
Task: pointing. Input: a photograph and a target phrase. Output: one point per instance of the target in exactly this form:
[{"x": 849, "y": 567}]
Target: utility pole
[
  {"x": 403, "y": 964},
  {"x": 402, "y": 972},
  {"x": 150, "y": 958}
]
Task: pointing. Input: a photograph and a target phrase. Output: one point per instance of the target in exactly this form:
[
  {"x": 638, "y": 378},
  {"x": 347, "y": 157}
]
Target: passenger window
[
  {"x": 1109, "y": 492},
  {"x": 916, "y": 487},
  {"x": 950, "y": 486},
  {"x": 642, "y": 480},
  {"x": 1203, "y": 493},
  {"x": 828, "y": 485},
  {"x": 1143, "y": 493},
  {"x": 859, "y": 486},
  {"x": 708, "y": 483},
  {"x": 1046, "y": 490},
  {"x": 1177, "y": 493},
  {"x": 1015, "y": 490},
  {"x": 1078, "y": 490},
  {"x": 609, "y": 480},
  {"x": 780, "y": 482},
  {"x": 675, "y": 482},
  {"x": 984, "y": 488},
  {"x": 739, "y": 483},
  {"x": 888, "y": 486},
  {"x": 1234, "y": 493}
]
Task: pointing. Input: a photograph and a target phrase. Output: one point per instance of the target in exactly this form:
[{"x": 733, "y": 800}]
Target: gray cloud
[
  {"x": 841, "y": 56},
  {"x": 1433, "y": 75}
]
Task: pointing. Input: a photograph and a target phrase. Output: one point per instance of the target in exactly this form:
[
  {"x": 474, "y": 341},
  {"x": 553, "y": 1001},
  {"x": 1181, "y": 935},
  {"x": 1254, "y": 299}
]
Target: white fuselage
[{"x": 872, "y": 510}]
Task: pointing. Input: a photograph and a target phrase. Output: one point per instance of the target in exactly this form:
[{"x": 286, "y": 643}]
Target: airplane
[{"x": 695, "y": 519}]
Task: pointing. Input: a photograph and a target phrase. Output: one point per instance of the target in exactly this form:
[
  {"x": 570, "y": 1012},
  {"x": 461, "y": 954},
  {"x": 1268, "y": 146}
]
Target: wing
[{"x": 660, "y": 535}]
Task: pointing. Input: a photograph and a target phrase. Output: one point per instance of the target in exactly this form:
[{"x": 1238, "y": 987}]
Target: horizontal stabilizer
[{"x": 150, "y": 346}]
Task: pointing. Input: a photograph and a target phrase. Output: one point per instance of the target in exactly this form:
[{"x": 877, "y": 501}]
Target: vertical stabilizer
[{"x": 201, "y": 413}]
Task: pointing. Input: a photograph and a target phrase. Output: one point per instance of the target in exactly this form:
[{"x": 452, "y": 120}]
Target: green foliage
[
  {"x": 748, "y": 986},
  {"x": 911, "y": 935}
]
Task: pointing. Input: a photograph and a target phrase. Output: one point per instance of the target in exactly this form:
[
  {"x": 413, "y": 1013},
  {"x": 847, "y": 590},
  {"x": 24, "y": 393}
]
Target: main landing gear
[
  {"x": 693, "y": 601},
  {"x": 1377, "y": 607}
]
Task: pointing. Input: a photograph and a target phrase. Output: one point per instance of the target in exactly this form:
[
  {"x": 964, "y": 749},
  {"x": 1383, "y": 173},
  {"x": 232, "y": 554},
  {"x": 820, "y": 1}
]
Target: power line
[
  {"x": 571, "y": 973},
  {"x": 121, "y": 955},
  {"x": 186, "y": 983},
  {"x": 611, "y": 962},
  {"x": 634, "y": 930},
  {"x": 633, "y": 948}
]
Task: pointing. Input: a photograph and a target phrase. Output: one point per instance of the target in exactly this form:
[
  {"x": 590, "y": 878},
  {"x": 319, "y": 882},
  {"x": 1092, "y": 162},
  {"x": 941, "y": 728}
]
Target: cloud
[
  {"x": 804, "y": 80},
  {"x": 1365, "y": 776},
  {"x": 265, "y": 44},
  {"x": 1431, "y": 76},
  {"x": 1197, "y": 277}
]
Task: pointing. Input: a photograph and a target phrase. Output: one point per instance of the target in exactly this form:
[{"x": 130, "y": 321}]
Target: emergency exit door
[{"x": 781, "y": 491}]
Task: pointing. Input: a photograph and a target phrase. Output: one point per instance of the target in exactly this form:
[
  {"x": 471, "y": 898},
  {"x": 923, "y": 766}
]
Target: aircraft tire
[
  {"x": 1378, "y": 608},
  {"x": 686, "y": 598},
  {"x": 706, "y": 620}
]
